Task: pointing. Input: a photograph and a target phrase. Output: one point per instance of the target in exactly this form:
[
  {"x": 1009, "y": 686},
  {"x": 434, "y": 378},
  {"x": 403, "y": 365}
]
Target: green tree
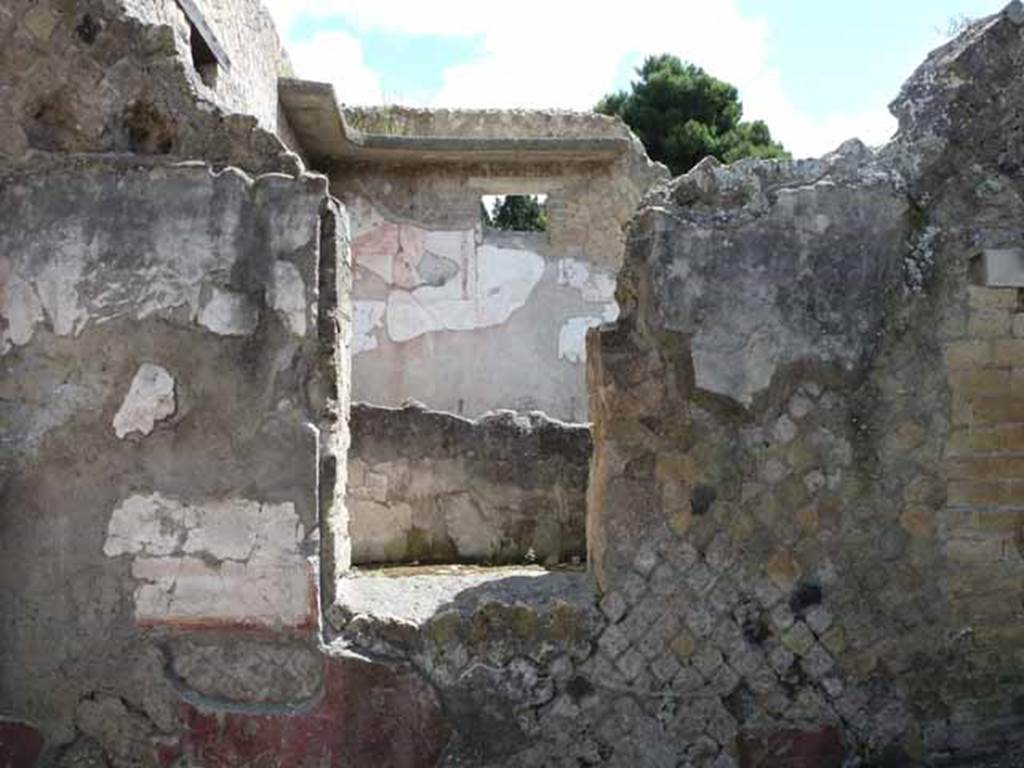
[
  {"x": 518, "y": 213},
  {"x": 682, "y": 114}
]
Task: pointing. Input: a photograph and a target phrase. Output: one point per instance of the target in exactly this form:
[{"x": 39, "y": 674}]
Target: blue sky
[{"x": 817, "y": 71}]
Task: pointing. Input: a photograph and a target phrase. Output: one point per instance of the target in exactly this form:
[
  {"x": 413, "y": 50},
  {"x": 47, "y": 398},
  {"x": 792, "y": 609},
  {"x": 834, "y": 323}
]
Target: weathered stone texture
[
  {"x": 428, "y": 487},
  {"x": 803, "y": 534},
  {"x": 155, "y": 472},
  {"x": 255, "y": 54},
  {"x": 804, "y": 431},
  {"x": 90, "y": 77}
]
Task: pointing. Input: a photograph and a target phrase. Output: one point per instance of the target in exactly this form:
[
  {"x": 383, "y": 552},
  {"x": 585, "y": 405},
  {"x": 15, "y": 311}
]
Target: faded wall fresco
[{"x": 433, "y": 308}]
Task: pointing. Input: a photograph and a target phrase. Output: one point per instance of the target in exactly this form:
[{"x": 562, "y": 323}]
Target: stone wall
[
  {"x": 255, "y": 55},
  {"x": 803, "y": 532},
  {"x": 162, "y": 406},
  {"x": 91, "y": 77},
  {"x": 808, "y": 410},
  {"x": 804, "y": 512},
  {"x": 431, "y": 487},
  {"x": 468, "y": 320}
]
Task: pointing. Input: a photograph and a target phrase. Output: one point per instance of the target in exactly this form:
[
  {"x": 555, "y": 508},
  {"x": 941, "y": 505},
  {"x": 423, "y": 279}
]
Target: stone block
[
  {"x": 998, "y": 409},
  {"x": 631, "y": 664},
  {"x": 707, "y": 660},
  {"x": 684, "y": 645},
  {"x": 614, "y": 641},
  {"x": 1008, "y": 352},
  {"x": 986, "y": 493},
  {"x": 817, "y": 662},
  {"x": 967, "y": 354},
  {"x": 982, "y": 297},
  {"x": 613, "y": 606},
  {"x": 989, "y": 323},
  {"x": 799, "y": 639},
  {"x": 999, "y": 268},
  {"x": 1017, "y": 328},
  {"x": 665, "y": 668}
]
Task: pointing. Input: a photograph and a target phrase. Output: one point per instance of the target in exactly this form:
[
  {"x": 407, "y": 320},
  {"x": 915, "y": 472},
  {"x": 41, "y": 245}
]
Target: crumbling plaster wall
[
  {"x": 811, "y": 415},
  {"x": 468, "y": 320},
  {"x": 805, "y": 496},
  {"x": 425, "y": 487},
  {"x": 163, "y": 420}
]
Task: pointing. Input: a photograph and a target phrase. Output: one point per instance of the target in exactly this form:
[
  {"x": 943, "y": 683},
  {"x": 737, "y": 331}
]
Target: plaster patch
[
  {"x": 20, "y": 307},
  {"x": 225, "y": 560},
  {"x": 391, "y": 251},
  {"x": 57, "y": 286},
  {"x": 572, "y": 336},
  {"x": 288, "y": 296},
  {"x": 150, "y": 398},
  {"x": 367, "y": 316},
  {"x": 474, "y": 536},
  {"x": 595, "y": 285},
  {"x": 227, "y": 313},
  {"x": 738, "y": 372},
  {"x": 379, "y": 532},
  {"x": 504, "y": 280}
]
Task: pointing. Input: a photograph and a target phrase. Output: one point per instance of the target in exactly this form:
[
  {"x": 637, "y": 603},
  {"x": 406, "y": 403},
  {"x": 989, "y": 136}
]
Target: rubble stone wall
[
  {"x": 805, "y": 440},
  {"x": 163, "y": 409},
  {"x": 425, "y": 487},
  {"x": 91, "y": 77},
  {"x": 805, "y": 495},
  {"x": 803, "y": 515}
]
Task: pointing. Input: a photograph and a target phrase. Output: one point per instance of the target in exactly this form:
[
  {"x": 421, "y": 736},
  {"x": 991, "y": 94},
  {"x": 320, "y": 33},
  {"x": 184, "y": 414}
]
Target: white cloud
[
  {"x": 337, "y": 57},
  {"x": 566, "y": 53}
]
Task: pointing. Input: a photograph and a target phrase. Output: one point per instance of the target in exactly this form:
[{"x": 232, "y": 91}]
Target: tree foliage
[
  {"x": 682, "y": 114},
  {"x": 516, "y": 213}
]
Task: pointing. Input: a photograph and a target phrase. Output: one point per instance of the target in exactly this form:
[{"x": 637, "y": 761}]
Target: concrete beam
[{"x": 313, "y": 112}]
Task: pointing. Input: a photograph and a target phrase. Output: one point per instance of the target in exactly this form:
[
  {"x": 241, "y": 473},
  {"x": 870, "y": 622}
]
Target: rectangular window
[{"x": 514, "y": 213}]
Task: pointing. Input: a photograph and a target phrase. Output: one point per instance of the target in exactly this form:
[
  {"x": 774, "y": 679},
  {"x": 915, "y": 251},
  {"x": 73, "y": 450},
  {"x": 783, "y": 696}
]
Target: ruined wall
[
  {"x": 431, "y": 487},
  {"x": 92, "y": 78},
  {"x": 805, "y": 442},
  {"x": 254, "y": 50},
  {"x": 805, "y": 495},
  {"x": 162, "y": 412},
  {"x": 468, "y": 320}
]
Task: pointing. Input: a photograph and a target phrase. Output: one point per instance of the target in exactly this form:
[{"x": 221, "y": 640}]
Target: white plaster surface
[
  {"x": 150, "y": 398},
  {"x": 474, "y": 536},
  {"x": 224, "y": 560},
  {"x": 227, "y": 313},
  {"x": 1003, "y": 267},
  {"x": 596, "y": 285},
  {"x": 374, "y": 527},
  {"x": 19, "y": 306},
  {"x": 367, "y": 316},
  {"x": 504, "y": 279},
  {"x": 737, "y": 371},
  {"x": 78, "y": 272},
  {"x": 288, "y": 296},
  {"x": 572, "y": 336}
]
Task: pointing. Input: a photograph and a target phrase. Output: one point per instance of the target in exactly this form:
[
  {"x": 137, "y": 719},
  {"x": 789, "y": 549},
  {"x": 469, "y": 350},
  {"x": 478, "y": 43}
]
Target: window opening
[
  {"x": 514, "y": 213},
  {"x": 208, "y": 55}
]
